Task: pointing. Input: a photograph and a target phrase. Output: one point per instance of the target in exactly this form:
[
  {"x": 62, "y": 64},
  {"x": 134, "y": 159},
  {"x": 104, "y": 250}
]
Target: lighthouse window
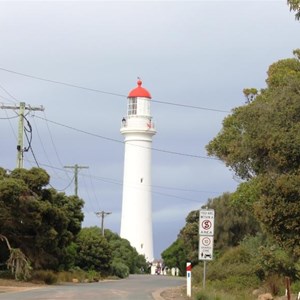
[{"x": 132, "y": 106}]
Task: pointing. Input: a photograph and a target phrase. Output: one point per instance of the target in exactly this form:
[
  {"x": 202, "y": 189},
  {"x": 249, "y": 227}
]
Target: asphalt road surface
[{"x": 136, "y": 287}]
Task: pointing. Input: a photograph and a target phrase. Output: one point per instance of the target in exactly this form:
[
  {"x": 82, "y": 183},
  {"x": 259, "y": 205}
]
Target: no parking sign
[{"x": 206, "y": 234}]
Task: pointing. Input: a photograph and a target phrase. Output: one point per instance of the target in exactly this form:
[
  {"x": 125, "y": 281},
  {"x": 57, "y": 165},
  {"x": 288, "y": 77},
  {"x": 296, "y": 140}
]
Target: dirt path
[
  {"x": 176, "y": 293},
  {"x": 7, "y": 285}
]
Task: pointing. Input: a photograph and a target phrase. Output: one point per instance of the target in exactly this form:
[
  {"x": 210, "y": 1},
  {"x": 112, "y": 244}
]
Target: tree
[
  {"x": 39, "y": 221},
  {"x": 124, "y": 253},
  {"x": 260, "y": 142},
  {"x": 93, "y": 250},
  {"x": 232, "y": 223},
  {"x": 295, "y": 6},
  {"x": 17, "y": 261},
  {"x": 175, "y": 256}
]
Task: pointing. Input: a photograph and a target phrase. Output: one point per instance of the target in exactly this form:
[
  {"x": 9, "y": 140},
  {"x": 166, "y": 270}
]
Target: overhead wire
[
  {"x": 9, "y": 118},
  {"x": 43, "y": 148},
  {"x": 89, "y": 202},
  {"x": 103, "y": 137},
  {"x": 9, "y": 94},
  {"x": 122, "y": 142},
  {"x": 109, "y": 93},
  {"x": 120, "y": 183},
  {"x": 93, "y": 189},
  {"x": 29, "y": 147},
  {"x": 54, "y": 147}
]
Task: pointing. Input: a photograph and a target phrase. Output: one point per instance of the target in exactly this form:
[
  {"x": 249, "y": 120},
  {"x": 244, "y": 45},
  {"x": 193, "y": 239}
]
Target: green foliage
[
  {"x": 35, "y": 179},
  {"x": 119, "y": 269},
  {"x": 232, "y": 223},
  {"x": 260, "y": 142},
  {"x": 276, "y": 261},
  {"x": 219, "y": 293},
  {"x": 39, "y": 221},
  {"x": 235, "y": 262},
  {"x": 250, "y": 94},
  {"x": 44, "y": 276},
  {"x": 190, "y": 239},
  {"x": 295, "y": 286},
  {"x": 93, "y": 250},
  {"x": 93, "y": 276},
  {"x": 295, "y": 6},
  {"x": 275, "y": 284},
  {"x": 175, "y": 256},
  {"x": 19, "y": 264},
  {"x": 247, "y": 193},
  {"x": 202, "y": 296},
  {"x": 122, "y": 252},
  {"x": 279, "y": 210}
]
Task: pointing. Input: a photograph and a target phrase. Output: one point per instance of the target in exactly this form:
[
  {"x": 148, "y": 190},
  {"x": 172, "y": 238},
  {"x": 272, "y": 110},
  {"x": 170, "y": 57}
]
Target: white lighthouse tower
[{"x": 138, "y": 129}]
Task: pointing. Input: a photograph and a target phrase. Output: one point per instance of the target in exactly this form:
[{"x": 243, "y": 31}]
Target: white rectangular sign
[
  {"x": 206, "y": 246},
  {"x": 206, "y": 221}
]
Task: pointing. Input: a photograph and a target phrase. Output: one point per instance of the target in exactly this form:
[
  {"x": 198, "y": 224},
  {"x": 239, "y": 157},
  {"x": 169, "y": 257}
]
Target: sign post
[
  {"x": 206, "y": 237},
  {"x": 189, "y": 279}
]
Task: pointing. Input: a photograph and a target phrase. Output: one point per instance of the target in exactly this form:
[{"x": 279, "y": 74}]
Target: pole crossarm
[
  {"x": 22, "y": 107},
  {"x": 28, "y": 107},
  {"x": 76, "y": 169},
  {"x": 102, "y": 214}
]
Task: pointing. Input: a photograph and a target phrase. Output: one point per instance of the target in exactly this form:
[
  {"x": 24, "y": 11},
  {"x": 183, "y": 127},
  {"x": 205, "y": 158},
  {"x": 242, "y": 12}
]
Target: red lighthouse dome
[{"x": 139, "y": 91}]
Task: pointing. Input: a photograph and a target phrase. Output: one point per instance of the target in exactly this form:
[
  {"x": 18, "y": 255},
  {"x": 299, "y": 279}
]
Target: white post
[
  {"x": 189, "y": 279},
  {"x": 204, "y": 274}
]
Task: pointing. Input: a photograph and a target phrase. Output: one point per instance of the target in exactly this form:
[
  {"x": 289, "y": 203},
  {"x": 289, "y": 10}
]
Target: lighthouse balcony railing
[{"x": 138, "y": 122}]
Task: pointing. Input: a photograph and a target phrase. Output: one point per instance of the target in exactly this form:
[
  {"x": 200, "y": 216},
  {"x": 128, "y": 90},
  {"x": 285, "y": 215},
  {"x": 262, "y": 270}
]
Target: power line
[
  {"x": 9, "y": 118},
  {"x": 118, "y": 182},
  {"x": 9, "y": 94},
  {"x": 22, "y": 108},
  {"x": 102, "y": 214},
  {"x": 110, "y": 93},
  {"x": 122, "y": 142},
  {"x": 54, "y": 147},
  {"x": 76, "y": 169}
]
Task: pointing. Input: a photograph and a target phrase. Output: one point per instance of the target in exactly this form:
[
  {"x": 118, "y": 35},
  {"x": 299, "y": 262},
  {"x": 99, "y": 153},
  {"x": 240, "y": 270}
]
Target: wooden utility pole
[
  {"x": 22, "y": 107},
  {"x": 76, "y": 168},
  {"x": 102, "y": 214}
]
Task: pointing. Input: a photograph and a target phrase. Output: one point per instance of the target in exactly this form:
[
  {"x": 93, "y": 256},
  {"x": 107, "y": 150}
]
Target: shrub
[
  {"x": 275, "y": 284},
  {"x": 119, "y": 269},
  {"x": 295, "y": 287},
  {"x": 47, "y": 277},
  {"x": 202, "y": 296},
  {"x": 93, "y": 275}
]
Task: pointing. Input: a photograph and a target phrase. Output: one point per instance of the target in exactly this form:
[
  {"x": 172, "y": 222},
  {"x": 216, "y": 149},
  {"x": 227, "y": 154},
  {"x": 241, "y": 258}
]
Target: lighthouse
[{"x": 138, "y": 128}]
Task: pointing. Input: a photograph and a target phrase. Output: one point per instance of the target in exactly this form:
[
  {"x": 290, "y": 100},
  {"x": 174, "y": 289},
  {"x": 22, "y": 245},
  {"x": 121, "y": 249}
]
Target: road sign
[
  {"x": 206, "y": 222},
  {"x": 206, "y": 246}
]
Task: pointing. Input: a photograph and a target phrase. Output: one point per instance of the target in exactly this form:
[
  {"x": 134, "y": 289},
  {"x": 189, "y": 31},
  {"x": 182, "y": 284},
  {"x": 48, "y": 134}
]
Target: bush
[
  {"x": 47, "y": 277},
  {"x": 119, "y": 269},
  {"x": 275, "y": 284},
  {"x": 295, "y": 287},
  {"x": 6, "y": 275},
  {"x": 202, "y": 296},
  {"x": 93, "y": 276},
  {"x": 213, "y": 294}
]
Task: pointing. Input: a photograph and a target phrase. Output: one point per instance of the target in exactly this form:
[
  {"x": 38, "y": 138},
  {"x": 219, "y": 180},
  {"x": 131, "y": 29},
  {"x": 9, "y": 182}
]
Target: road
[{"x": 136, "y": 287}]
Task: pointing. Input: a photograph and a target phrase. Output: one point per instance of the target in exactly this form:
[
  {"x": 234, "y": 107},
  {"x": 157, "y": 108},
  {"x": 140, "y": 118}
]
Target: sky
[{"x": 80, "y": 59}]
